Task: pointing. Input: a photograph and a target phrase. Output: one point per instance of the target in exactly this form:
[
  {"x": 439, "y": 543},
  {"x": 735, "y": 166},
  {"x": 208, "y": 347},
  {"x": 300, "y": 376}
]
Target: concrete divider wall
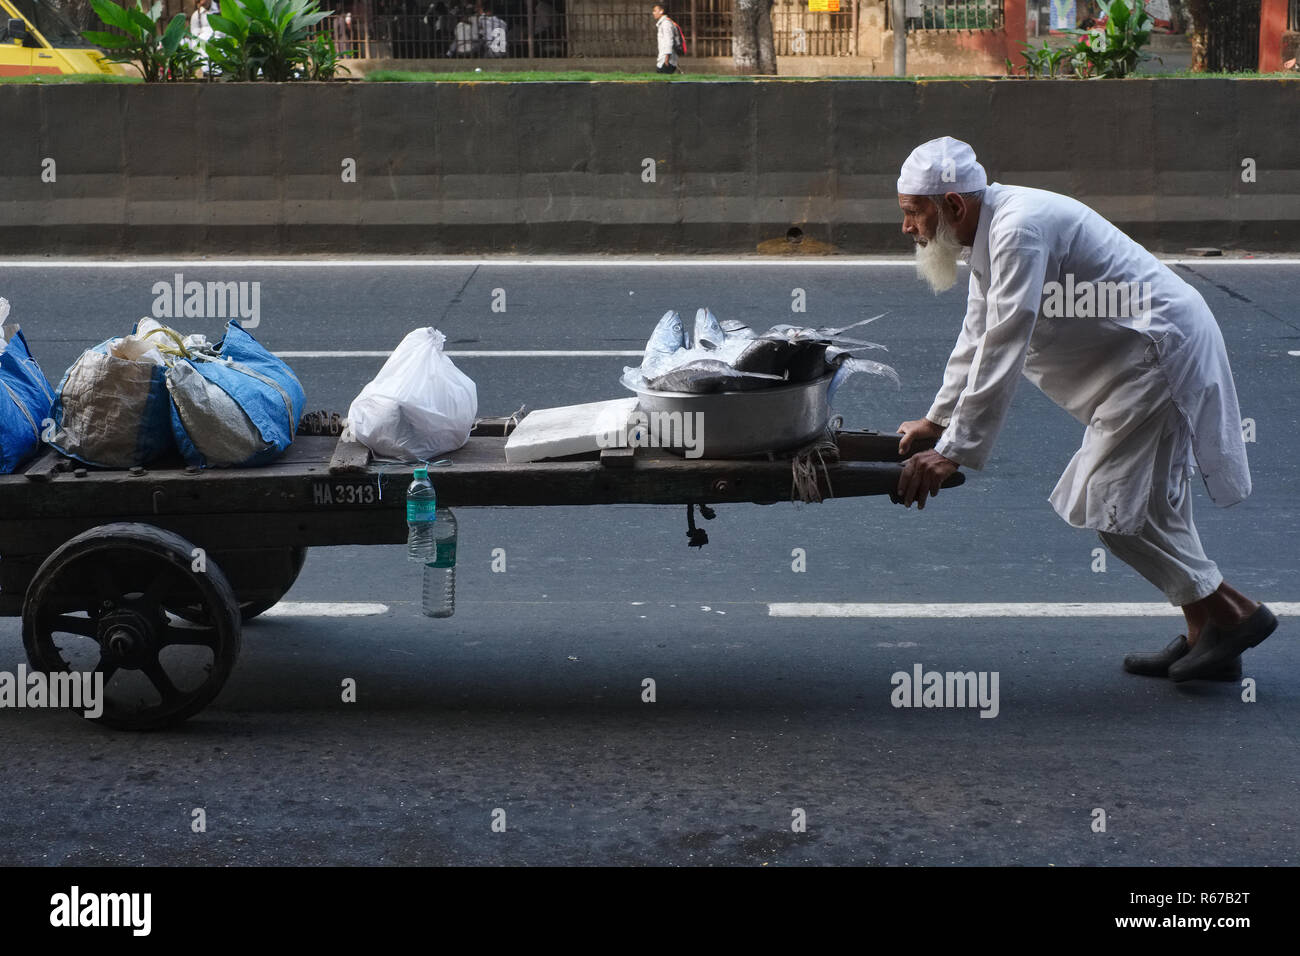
[{"x": 558, "y": 167}]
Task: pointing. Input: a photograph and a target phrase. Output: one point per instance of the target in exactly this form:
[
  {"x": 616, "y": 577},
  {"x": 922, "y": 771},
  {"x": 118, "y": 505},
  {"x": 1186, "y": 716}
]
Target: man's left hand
[{"x": 923, "y": 474}]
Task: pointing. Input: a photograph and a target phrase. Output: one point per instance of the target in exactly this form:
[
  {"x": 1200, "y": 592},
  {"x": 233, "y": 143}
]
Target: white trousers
[{"x": 1167, "y": 551}]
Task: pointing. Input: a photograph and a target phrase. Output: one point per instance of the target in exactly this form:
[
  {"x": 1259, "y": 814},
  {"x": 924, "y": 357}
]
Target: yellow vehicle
[{"x": 35, "y": 37}]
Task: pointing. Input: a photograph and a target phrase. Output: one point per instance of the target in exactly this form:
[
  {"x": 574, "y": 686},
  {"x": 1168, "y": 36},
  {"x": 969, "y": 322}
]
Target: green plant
[
  {"x": 230, "y": 51},
  {"x": 282, "y": 31},
  {"x": 323, "y": 60},
  {"x": 1117, "y": 50},
  {"x": 1044, "y": 61},
  {"x": 272, "y": 40},
  {"x": 189, "y": 58},
  {"x": 158, "y": 52}
]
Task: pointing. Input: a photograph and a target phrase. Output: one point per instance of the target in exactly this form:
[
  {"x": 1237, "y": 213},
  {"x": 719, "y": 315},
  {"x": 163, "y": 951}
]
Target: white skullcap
[{"x": 943, "y": 165}]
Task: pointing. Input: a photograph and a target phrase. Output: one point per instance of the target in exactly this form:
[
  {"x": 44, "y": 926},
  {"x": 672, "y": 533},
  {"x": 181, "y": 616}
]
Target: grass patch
[
  {"x": 541, "y": 76},
  {"x": 1251, "y": 75},
  {"x": 56, "y": 78},
  {"x": 590, "y": 76}
]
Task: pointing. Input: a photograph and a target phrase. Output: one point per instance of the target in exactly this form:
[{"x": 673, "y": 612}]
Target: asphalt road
[{"x": 529, "y": 700}]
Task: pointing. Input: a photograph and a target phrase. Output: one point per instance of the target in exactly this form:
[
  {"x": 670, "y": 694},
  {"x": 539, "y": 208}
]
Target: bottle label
[
  {"x": 419, "y": 510},
  {"x": 446, "y": 555}
]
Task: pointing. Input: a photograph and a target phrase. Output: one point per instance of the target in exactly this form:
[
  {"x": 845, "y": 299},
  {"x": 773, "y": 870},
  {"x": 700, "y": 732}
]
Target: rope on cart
[
  {"x": 516, "y": 417},
  {"x": 804, "y": 485}
]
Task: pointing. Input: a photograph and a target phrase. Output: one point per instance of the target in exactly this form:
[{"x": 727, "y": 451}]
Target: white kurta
[
  {"x": 1115, "y": 372},
  {"x": 664, "y": 41},
  {"x": 199, "y": 27}
]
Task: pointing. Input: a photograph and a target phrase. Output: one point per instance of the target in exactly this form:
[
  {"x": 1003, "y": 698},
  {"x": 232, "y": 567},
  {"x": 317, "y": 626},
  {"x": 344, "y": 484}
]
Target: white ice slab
[{"x": 568, "y": 430}]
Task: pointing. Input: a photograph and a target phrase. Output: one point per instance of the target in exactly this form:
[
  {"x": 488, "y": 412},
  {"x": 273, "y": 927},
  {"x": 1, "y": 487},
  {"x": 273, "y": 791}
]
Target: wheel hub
[{"x": 125, "y": 636}]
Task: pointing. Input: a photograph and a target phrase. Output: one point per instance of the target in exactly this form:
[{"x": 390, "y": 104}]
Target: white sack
[{"x": 419, "y": 406}]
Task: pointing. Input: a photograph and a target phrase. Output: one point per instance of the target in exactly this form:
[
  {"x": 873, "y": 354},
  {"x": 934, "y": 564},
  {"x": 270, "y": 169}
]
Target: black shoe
[
  {"x": 1217, "y": 645},
  {"x": 1158, "y": 664}
]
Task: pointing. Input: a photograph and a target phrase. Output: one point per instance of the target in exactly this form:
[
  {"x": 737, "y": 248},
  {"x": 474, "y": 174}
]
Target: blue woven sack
[
  {"x": 25, "y": 399},
  {"x": 234, "y": 405},
  {"x": 111, "y": 406}
]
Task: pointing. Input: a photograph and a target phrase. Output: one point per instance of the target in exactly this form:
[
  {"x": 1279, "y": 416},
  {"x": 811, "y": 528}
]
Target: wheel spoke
[
  {"x": 153, "y": 592},
  {"x": 64, "y": 602},
  {"x": 68, "y": 624},
  {"x": 105, "y": 587},
  {"x": 189, "y": 636},
  {"x": 153, "y": 669}
]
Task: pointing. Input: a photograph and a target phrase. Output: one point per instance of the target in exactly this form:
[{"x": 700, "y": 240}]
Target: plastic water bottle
[
  {"x": 440, "y": 573},
  {"x": 421, "y": 510}
]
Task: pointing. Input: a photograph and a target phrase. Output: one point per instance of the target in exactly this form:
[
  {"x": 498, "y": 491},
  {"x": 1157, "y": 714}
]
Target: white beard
[{"x": 936, "y": 261}]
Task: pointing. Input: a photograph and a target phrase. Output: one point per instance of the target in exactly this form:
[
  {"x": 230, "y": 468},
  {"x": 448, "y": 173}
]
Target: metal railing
[
  {"x": 706, "y": 25},
  {"x": 953, "y": 14},
  {"x": 799, "y": 32},
  {"x": 1233, "y": 37},
  {"x": 369, "y": 32}
]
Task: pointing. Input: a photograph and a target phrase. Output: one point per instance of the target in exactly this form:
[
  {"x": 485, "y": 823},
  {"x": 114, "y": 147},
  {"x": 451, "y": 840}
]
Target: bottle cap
[{"x": 421, "y": 473}]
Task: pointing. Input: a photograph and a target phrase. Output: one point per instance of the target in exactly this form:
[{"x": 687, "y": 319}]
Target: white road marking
[
  {"x": 473, "y": 353},
  {"x": 1095, "y": 609},
  {"x": 1293, "y": 353},
  {"x": 900, "y": 260},
  {"x": 325, "y": 609}
]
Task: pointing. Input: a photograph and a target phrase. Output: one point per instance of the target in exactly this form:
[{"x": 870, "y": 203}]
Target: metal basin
[{"x": 738, "y": 424}]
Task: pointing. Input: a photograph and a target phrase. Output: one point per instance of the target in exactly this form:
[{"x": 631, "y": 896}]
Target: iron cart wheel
[
  {"x": 250, "y": 609},
  {"x": 98, "y": 605},
  {"x": 260, "y": 578}
]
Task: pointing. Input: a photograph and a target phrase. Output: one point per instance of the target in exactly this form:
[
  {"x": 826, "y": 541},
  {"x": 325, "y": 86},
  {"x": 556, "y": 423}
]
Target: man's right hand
[{"x": 921, "y": 429}]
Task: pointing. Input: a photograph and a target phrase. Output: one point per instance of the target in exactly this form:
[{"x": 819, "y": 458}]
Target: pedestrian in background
[
  {"x": 200, "y": 31},
  {"x": 665, "y": 33},
  {"x": 441, "y": 26},
  {"x": 491, "y": 33},
  {"x": 466, "y": 42}
]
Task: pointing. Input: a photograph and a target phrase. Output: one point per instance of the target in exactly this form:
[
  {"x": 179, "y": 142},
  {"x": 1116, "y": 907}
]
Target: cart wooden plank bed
[{"x": 129, "y": 563}]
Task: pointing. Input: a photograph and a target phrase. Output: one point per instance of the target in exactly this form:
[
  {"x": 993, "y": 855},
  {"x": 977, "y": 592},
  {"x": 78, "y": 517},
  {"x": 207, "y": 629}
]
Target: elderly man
[{"x": 1111, "y": 335}]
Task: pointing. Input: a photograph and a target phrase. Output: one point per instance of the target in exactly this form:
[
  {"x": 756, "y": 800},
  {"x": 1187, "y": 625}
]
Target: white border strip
[
  {"x": 814, "y": 609},
  {"x": 473, "y": 353},
  {"x": 325, "y": 609},
  {"x": 362, "y": 263},
  {"x": 895, "y": 261}
]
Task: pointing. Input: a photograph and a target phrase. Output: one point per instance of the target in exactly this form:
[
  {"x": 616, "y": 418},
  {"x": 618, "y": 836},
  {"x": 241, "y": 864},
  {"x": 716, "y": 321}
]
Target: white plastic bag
[{"x": 419, "y": 406}]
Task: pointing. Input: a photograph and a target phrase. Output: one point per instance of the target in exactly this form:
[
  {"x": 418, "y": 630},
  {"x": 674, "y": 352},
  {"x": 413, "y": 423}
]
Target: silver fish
[
  {"x": 709, "y": 375},
  {"x": 851, "y": 366},
  {"x": 797, "y": 333},
  {"x": 700, "y": 375},
  {"x": 665, "y": 342},
  {"x": 833, "y": 333},
  {"x": 734, "y": 327},
  {"x": 731, "y": 356},
  {"x": 708, "y": 330}
]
